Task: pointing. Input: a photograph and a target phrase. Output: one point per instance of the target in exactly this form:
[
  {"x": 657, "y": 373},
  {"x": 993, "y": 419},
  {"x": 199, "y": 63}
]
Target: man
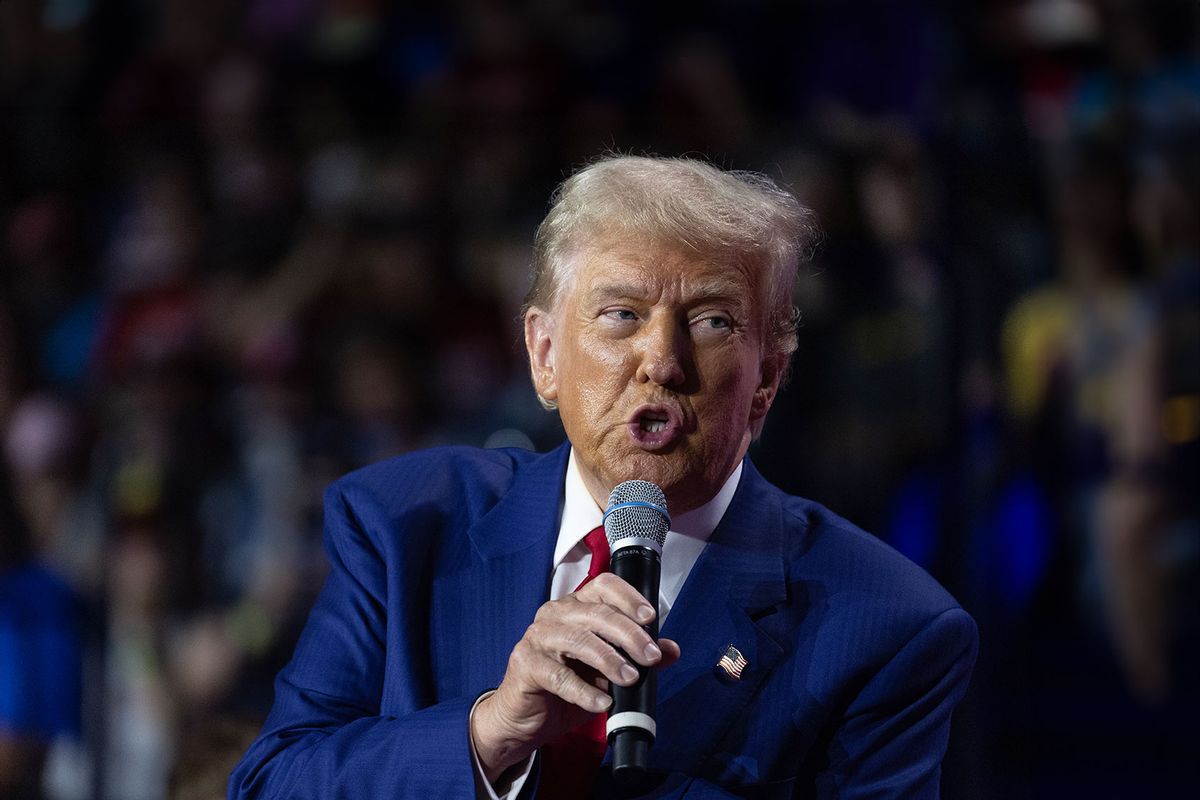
[{"x": 659, "y": 324}]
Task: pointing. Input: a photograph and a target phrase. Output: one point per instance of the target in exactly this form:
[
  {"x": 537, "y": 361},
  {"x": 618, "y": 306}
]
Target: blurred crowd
[{"x": 246, "y": 247}]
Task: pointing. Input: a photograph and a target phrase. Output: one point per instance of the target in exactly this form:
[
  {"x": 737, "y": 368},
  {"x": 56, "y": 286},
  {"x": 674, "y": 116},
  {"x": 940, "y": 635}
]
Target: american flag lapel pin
[{"x": 732, "y": 663}]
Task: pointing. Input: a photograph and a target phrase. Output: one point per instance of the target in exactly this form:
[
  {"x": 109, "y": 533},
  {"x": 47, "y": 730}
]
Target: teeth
[{"x": 653, "y": 425}]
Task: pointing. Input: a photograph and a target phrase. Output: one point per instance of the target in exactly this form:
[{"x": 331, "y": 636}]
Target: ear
[
  {"x": 539, "y": 343},
  {"x": 764, "y": 395}
]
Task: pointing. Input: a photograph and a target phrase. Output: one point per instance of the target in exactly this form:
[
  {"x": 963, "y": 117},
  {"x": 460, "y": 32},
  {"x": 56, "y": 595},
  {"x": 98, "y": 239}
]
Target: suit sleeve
[
  {"x": 894, "y": 734},
  {"x": 325, "y": 736}
]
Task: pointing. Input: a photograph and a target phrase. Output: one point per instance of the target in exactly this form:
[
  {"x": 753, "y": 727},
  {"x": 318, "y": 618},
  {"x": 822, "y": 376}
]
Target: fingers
[
  {"x": 614, "y": 611},
  {"x": 590, "y": 633},
  {"x": 560, "y": 671},
  {"x": 561, "y": 680},
  {"x": 608, "y": 588},
  {"x": 670, "y": 652},
  {"x": 600, "y": 628}
]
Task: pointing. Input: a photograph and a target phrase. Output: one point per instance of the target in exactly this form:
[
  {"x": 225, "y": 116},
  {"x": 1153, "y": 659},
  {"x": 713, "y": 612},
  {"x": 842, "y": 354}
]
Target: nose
[{"x": 664, "y": 353}]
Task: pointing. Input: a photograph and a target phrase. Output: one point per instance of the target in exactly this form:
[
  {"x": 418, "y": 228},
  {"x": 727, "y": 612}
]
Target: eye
[
  {"x": 621, "y": 314},
  {"x": 712, "y": 322}
]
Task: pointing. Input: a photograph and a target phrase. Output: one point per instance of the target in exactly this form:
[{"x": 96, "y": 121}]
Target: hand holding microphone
[{"x": 605, "y": 633}]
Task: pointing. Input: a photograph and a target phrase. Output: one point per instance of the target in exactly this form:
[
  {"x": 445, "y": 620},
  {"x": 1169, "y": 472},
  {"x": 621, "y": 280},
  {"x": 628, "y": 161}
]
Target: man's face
[{"x": 654, "y": 356}]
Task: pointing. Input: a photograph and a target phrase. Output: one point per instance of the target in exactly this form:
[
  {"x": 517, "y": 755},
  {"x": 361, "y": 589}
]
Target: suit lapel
[
  {"x": 508, "y": 572},
  {"x": 727, "y": 599}
]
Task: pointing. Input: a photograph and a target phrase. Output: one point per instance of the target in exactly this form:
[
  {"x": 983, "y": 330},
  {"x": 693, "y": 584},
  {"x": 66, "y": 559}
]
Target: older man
[{"x": 451, "y": 653}]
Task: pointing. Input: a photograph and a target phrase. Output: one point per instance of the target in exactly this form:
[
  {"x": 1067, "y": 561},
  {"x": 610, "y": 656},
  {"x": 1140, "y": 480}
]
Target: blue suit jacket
[{"x": 440, "y": 560}]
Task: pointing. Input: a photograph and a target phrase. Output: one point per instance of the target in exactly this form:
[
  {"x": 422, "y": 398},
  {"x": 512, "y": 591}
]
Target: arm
[
  {"x": 325, "y": 736},
  {"x": 893, "y": 735}
]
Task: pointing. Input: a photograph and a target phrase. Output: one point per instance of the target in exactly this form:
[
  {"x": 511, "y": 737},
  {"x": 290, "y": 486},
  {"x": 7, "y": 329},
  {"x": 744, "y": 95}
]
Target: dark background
[{"x": 248, "y": 246}]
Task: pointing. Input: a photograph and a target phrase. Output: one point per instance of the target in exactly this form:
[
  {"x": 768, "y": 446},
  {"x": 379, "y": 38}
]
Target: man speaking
[{"x": 468, "y": 636}]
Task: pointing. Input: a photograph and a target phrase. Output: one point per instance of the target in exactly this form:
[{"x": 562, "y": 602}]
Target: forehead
[{"x": 654, "y": 267}]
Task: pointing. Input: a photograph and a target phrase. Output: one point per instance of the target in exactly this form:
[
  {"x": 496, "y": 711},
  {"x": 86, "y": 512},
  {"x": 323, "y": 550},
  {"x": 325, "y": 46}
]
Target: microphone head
[{"x": 637, "y": 510}]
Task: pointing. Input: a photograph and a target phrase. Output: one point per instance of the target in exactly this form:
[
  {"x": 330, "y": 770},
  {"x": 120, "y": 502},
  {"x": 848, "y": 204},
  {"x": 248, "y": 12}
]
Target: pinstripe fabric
[{"x": 440, "y": 560}]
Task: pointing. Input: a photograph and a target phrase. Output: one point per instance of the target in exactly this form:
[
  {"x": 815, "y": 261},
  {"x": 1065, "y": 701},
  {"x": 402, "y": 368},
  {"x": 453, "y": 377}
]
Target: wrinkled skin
[{"x": 658, "y": 326}]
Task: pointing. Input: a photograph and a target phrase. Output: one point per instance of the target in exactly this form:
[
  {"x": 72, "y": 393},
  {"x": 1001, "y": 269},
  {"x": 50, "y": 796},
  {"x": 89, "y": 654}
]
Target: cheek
[
  {"x": 731, "y": 395},
  {"x": 591, "y": 384},
  {"x": 730, "y": 377},
  {"x": 608, "y": 355},
  {"x": 599, "y": 363},
  {"x": 592, "y": 397}
]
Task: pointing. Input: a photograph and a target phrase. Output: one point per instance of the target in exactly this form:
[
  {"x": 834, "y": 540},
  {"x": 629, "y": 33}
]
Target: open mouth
[
  {"x": 653, "y": 422},
  {"x": 654, "y": 427}
]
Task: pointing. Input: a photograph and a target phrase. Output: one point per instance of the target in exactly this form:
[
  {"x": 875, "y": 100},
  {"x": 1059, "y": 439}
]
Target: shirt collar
[{"x": 581, "y": 514}]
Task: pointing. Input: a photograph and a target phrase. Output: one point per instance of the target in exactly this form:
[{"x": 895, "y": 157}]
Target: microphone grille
[{"x": 637, "y": 509}]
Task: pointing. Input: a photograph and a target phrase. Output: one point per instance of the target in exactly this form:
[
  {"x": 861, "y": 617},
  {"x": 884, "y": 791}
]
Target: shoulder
[
  {"x": 858, "y": 561},
  {"x": 438, "y": 471},
  {"x": 427, "y": 490},
  {"x": 864, "y": 588}
]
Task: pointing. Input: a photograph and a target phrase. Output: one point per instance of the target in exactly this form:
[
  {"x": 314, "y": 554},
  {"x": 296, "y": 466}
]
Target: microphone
[{"x": 636, "y": 525}]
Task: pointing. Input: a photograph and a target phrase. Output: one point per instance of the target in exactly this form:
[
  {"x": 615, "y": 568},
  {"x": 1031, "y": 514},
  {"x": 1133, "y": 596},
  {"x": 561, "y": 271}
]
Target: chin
[
  {"x": 681, "y": 487},
  {"x": 653, "y": 467}
]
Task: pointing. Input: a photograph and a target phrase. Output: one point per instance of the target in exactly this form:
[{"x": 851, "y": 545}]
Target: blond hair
[{"x": 742, "y": 217}]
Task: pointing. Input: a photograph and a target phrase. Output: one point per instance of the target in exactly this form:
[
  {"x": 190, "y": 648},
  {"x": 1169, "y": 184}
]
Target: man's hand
[{"x": 559, "y": 673}]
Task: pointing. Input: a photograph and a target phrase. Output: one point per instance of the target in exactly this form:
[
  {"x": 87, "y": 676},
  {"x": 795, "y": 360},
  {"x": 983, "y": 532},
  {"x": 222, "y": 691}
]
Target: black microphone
[{"x": 636, "y": 525}]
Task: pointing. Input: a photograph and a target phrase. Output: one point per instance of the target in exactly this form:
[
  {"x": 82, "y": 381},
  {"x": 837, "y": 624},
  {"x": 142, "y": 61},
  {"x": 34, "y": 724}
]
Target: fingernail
[
  {"x": 652, "y": 652},
  {"x": 645, "y": 613},
  {"x": 629, "y": 673},
  {"x": 601, "y": 702}
]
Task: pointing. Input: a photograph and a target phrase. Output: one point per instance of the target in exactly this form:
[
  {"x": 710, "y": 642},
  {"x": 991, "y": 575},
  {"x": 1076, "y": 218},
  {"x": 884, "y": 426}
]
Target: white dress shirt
[
  {"x": 689, "y": 533},
  {"x": 687, "y": 537}
]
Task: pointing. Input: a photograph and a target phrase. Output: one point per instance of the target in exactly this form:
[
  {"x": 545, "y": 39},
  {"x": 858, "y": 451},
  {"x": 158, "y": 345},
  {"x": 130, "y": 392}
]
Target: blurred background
[{"x": 246, "y": 247}]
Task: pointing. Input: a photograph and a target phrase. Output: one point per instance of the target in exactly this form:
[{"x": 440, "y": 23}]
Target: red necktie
[
  {"x": 597, "y": 542},
  {"x": 569, "y": 763}
]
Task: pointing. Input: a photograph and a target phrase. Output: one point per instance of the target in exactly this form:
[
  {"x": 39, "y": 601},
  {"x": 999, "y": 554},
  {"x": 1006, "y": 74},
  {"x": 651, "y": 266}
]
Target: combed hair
[{"x": 743, "y": 217}]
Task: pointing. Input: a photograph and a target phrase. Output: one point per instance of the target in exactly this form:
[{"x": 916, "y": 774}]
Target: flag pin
[{"x": 732, "y": 663}]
